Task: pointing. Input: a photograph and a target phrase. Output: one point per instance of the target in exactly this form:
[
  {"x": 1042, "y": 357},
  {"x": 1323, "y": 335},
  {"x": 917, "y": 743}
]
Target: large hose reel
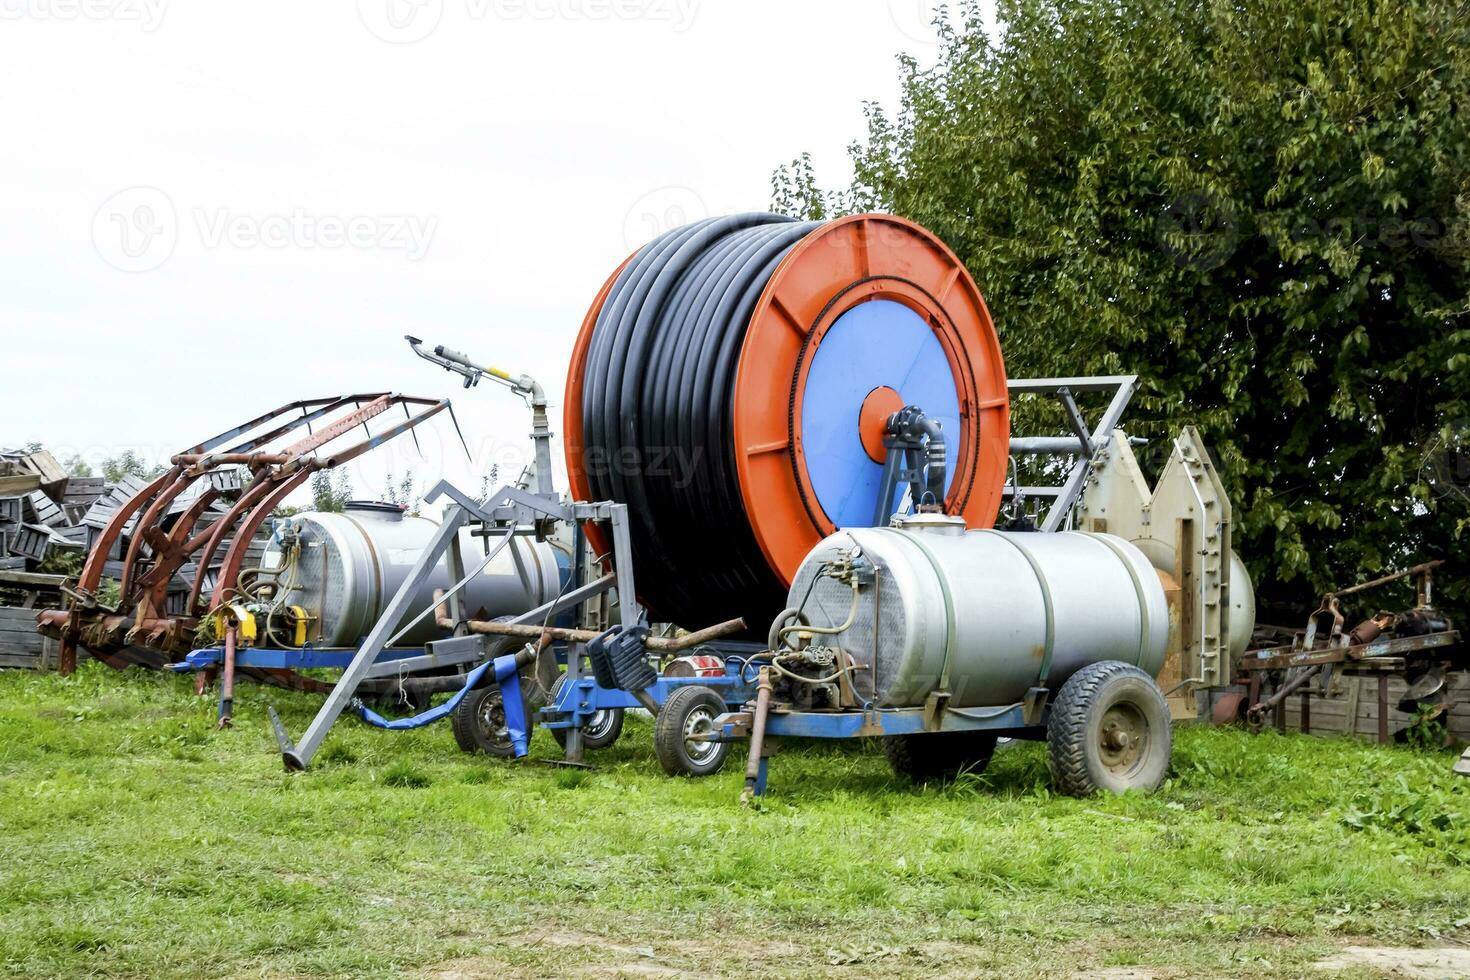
[{"x": 732, "y": 383}]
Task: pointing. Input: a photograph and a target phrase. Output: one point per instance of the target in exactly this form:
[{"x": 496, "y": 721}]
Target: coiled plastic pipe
[{"x": 656, "y": 412}]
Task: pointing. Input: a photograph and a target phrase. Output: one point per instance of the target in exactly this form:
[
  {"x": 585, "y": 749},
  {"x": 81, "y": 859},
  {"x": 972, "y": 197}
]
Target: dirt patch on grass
[
  {"x": 1398, "y": 961},
  {"x": 572, "y": 953}
]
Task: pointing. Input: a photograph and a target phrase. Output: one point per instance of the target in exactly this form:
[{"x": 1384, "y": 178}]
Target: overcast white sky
[{"x": 208, "y": 210}]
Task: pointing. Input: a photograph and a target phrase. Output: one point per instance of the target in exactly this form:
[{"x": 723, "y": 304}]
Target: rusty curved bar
[
  {"x": 212, "y": 537},
  {"x": 235, "y": 556},
  {"x": 175, "y": 556},
  {"x": 275, "y": 475},
  {"x": 91, "y": 577},
  {"x": 156, "y": 510}
]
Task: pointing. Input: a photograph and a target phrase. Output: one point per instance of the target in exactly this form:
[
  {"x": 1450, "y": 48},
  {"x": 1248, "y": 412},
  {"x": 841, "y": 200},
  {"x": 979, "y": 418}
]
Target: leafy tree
[
  {"x": 77, "y": 467},
  {"x": 1263, "y": 209},
  {"x": 127, "y": 463},
  {"x": 401, "y": 492},
  {"x": 330, "y": 491}
]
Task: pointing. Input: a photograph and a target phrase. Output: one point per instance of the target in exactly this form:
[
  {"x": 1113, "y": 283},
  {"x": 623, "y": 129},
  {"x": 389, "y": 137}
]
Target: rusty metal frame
[{"x": 156, "y": 553}]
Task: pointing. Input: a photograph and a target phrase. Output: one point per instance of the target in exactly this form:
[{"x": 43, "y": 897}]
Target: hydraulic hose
[{"x": 657, "y": 413}]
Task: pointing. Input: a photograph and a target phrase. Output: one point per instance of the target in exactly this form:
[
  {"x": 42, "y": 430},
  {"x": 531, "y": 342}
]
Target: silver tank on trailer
[
  {"x": 343, "y": 568},
  {"x": 998, "y": 604}
]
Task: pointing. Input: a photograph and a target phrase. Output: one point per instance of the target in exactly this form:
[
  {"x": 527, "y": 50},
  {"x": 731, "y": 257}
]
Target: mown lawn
[{"x": 135, "y": 840}]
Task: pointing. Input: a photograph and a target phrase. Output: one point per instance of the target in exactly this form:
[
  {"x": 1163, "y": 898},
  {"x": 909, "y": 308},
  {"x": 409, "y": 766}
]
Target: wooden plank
[
  {"x": 33, "y": 579},
  {"x": 18, "y": 486}
]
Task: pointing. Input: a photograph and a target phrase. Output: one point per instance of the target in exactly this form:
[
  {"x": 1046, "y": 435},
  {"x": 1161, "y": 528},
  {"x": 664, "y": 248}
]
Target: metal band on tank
[
  {"x": 949, "y": 623},
  {"x": 1143, "y": 617},
  {"x": 1051, "y": 622}
]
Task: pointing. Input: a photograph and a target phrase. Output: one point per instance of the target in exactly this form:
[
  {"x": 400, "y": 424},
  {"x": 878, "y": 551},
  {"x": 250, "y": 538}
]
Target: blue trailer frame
[
  {"x": 1023, "y": 720},
  {"x": 580, "y": 700}
]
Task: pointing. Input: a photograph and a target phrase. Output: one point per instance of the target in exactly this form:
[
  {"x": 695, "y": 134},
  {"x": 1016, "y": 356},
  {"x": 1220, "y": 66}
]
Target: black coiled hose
[{"x": 657, "y": 414}]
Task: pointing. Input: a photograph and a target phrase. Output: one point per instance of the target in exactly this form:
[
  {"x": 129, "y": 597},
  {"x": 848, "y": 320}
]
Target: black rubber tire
[
  {"x": 1077, "y": 727},
  {"x": 606, "y": 726},
  {"x": 689, "y": 707},
  {"x": 470, "y": 731},
  {"x": 938, "y": 756}
]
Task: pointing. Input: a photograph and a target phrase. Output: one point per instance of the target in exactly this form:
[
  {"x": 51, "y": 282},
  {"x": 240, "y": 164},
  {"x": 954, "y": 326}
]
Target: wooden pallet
[{"x": 20, "y": 645}]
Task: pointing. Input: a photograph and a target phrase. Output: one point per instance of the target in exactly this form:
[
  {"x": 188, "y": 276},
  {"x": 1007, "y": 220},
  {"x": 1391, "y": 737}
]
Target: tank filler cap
[
  {"x": 947, "y": 524},
  {"x": 376, "y": 508}
]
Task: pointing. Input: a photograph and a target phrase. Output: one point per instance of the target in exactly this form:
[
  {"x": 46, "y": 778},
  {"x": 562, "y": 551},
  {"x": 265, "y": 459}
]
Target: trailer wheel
[
  {"x": 1108, "y": 730},
  {"x": 603, "y": 730},
  {"x": 479, "y": 722},
  {"x": 938, "y": 756},
  {"x": 689, "y": 711}
]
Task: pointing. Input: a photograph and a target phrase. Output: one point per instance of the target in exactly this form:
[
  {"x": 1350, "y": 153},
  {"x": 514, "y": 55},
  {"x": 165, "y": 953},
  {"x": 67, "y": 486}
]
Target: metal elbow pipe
[{"x": 938, "y": 463}]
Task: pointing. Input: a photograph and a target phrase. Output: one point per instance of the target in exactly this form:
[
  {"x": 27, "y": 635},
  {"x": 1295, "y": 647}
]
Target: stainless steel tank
[
  {"x": 997, "y": 604},
  {"x": 347, "y": 567}
]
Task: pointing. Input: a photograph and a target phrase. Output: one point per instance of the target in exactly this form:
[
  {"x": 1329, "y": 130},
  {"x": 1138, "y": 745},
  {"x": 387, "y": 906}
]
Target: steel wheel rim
[
  {"x": 491, "y": 718},
  {"x": 700, "y": 721},
  {"x": 599, "y": 724},
  {"x": 1123, "y": 738}
]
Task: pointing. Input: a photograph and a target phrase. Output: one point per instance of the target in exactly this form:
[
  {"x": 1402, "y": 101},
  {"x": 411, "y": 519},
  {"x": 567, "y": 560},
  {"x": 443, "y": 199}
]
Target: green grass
[{"x": 135, "y": 840}]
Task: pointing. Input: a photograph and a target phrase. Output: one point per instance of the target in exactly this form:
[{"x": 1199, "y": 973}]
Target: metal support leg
[
  {"x": 299, "y": 756},
  {"x": 456, "y": 574},
  {"x": 623, "y": 561},
  {"x": 227, "y": 686}
]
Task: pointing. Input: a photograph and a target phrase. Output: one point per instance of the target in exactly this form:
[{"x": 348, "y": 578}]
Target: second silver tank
[
  {"x": 989, "y": 607},
  {"x": 347, "y": 566}
]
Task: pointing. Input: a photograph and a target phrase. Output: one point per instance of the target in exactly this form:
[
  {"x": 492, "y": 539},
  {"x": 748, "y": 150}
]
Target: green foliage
[
  {"x": 77, "y": 467},
  {"x": 1437, "y": 818},
  {"x": 63, "y": 561},
  {"x": 1263, "y": 209},
  {"x": 490, "y": 481},
  {"x": 109, "y": 593},
  {"x": 128, "y": 464},
  {"x": 330, "y": 491},
  {"x": 401, "y": 492}
]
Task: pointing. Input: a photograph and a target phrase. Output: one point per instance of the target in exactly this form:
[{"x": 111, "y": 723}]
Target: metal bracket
[
  {"x": 1033, "y": 705},
  {"x": 934, "y": 706},
  {"x": 1081, "y": 445}
]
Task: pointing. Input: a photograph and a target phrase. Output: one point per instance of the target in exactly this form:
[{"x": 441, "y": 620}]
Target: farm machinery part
[
  {"x": 325, "y": 578},
  {"x": 732, "y": 384},
  {"x": 1419, "y": 643},
  {"x": 161, "y": 543},
  {"x": 942, "y": 639},
  {"x": 896, "y": 406},
  {"x": 1184, "y": 524}
]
